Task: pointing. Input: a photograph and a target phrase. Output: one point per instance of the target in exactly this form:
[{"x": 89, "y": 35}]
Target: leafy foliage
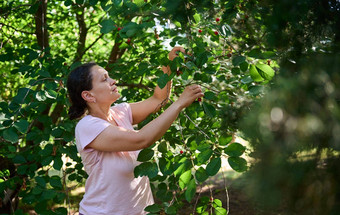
[{"x": 42, "y": 42}]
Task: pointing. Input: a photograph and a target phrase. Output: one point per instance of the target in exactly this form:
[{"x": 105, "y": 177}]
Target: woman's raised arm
[
  {"x": 141, "y": 110},
  {"x": 114, "y": 138}
]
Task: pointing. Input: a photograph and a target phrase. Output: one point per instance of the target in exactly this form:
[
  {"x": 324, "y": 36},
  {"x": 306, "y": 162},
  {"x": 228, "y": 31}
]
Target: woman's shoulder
[
  {"x": 88, "y": 121},
  {"x": 121, "y": 106}
]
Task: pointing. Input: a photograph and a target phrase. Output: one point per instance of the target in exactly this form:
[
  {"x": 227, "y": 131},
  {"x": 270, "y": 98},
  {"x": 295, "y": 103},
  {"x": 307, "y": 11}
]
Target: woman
[{"x": 107, "y": 142}]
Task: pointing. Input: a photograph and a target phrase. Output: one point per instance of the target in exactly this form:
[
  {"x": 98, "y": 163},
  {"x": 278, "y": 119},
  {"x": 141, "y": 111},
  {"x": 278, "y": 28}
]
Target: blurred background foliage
[
  {"x": 294, "y": 129},
  {"x": 269, "y": 70}
]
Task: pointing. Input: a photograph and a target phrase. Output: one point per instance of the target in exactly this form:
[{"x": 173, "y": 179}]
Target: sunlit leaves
[
  {"x": 261, "y": 72},
  {"x": 184, "y": 179}
]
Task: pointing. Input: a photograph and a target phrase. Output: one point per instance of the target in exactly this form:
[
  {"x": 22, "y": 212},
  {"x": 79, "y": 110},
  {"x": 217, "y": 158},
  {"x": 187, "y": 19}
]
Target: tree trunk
[
  {"x": 41, "y": 25},
  {"x": 82, "y": 34}
]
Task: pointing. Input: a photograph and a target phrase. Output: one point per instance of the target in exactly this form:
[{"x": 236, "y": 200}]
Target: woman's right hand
[{"x": 189, "y": 95}]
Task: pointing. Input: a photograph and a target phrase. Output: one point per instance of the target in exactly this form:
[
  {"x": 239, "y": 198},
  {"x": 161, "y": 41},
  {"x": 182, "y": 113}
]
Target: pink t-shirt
[{"x": 111, "y": 187}]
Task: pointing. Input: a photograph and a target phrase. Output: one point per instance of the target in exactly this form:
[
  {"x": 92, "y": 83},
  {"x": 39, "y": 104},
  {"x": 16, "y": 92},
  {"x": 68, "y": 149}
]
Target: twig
[
  {"x": 193, "y": 212},
  {"x": 226, "y": 191}
]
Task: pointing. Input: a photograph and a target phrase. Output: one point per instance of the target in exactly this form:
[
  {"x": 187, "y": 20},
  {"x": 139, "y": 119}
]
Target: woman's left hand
[{"x": 172, "y": 53}]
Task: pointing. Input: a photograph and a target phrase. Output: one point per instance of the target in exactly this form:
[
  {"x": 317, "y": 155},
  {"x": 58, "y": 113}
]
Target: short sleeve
[
  {"x": 88, "y": 129},
  {"x": 124, "y": 111}
]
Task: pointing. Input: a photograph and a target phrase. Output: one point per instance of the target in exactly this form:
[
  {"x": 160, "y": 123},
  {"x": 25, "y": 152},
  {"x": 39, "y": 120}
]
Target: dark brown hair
[{"x": 79, "y": 79}]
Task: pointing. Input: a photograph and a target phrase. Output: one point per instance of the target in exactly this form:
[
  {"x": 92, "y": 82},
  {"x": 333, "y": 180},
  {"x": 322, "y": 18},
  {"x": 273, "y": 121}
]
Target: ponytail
[
  {"x": 79, "y": 79},
  {"x": 76, "y": 111}
]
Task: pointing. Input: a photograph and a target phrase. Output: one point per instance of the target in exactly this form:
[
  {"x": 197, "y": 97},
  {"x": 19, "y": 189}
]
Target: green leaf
[
  {"x": 254, "y": 74},
  {"x": 162, "y": 147},
  {"x": 57, "y": 163},
  {"x": 209, "y": 95},
  {"x": 244, "y": 66},
  {"x": 220, "y": 211},
  {"x": 171, "y": 210},
  {"x": 40, "y": 181},
  {"x": 255, "y": 90},
  {"x": 184, "y": 179},
  {"x": 20, "y": 97},
  {"x": 19, "y": 159},
  {"x": 197, "y": 18},
  {"x": 162, "y": 80},
  {"x": 93, "y": 2},
  {"x": 217, "y": 203},
  {"x": 145, "y": 155},
  {"x": 238, "y": 60},
  {"x": 46, "y": 161},
  {"x": 238, "y": 164},
  {"x": 80, "y": 1},
  {"x": 234, "y": 149},
  {"x": 209, "y": 109},
  {"x": 146, "y": 169},
  {"x": 118, "y": 3},
  {"x": 265, "y": 71},
  {"x": 224, "y": 140},
  {"x": 191, "y": 190},
  {"x": 108, "y": 25},
  {"x": 214, "y": 166},
  {"x": 4, "y": 173},
  {"x": 153, "y": 208},
  {"x": 22, "y": 169},
  {"x": 204, "y": 156},
  {"x": 201, "y": 174},
  {"x": 11, "y": 135},
  {"x": 51, "y": 94},
  {"x": 55, "y": 181},
  {"x": 21, "y": 125},
  {"x": 48, "y": 194}
]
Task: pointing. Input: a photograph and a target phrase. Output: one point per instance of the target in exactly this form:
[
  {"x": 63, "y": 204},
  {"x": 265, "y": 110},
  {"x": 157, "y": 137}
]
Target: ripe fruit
[
  {"x": 65, "y": 64},
  {"x": 181, "y": 152},
  {"x": 229, "y": 55},
  {"x": 217, "y": 19},
  {"x": 119, "y": 28},
  {"x": 268, "y": 62},
  {"x": 179, "y": 72},
  {"x": 199, "y": 31},
  {"x": 145, "y": 0},
  {"x": 199, "y": 99},
  {"x": 128, "y": 40},
  {"x": 216, "y": 32}
]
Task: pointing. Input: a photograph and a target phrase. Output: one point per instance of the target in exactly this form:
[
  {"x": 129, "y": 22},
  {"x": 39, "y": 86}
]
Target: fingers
[
  {"x": 196, "y": 90},
  {"x": 178, "y": 48}
]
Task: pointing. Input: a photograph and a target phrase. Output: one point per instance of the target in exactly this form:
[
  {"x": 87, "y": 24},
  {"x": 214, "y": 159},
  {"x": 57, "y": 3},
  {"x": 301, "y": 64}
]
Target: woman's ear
[{"x": 88, "y": 97}]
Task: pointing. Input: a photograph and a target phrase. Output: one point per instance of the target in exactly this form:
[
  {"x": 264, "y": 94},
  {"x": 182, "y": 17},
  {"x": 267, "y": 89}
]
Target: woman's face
[{"x": 103, "y": 89}]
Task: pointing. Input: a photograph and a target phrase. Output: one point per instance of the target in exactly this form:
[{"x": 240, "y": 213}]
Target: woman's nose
[{"x": 113, "y": 82}]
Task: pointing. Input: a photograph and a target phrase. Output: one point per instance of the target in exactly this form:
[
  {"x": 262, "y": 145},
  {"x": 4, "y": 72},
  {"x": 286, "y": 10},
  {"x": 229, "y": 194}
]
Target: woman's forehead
[{"x": 98, "y": 71}]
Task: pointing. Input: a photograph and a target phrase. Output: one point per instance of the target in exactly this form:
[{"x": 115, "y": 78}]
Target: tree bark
[
  {"x": 82, "y": 34},
  {"x": 115, "y": 54},
  {"x": 41, "y": 25}
]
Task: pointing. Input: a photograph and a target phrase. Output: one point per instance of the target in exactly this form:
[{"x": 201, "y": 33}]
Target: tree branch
[
  {"x": 26, "y": 32},
  {"x": 77, "y": 59},
  {"x": 82, "y": 33},
  {"x": 131, "y": 85}
]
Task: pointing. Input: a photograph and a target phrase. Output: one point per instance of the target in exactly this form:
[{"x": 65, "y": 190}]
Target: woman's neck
[{"x": 100, "y": 112}]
